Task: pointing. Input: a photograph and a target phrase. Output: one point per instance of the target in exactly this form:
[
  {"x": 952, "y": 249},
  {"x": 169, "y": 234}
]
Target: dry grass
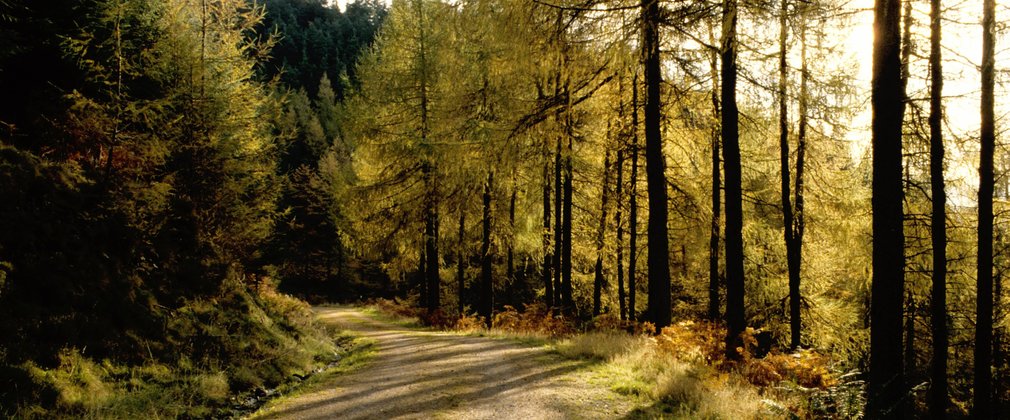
[
  {"x": 682, "y": 371},
  {"x": 604, "y": 345}
]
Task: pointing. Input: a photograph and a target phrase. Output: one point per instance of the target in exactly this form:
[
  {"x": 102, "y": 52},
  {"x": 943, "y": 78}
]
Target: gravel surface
[{"x": 424, "y": 375}]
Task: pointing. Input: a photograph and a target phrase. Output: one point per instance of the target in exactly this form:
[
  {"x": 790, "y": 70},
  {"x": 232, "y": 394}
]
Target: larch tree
[
  {"x": 735, "y": 318},
  {"x": 633, "y": 202},
  {"x": 655, "y": 170},
  {"x": 938, "y": 224},
  {"x": 789, "y": 222},
  {"x": 403, "y": 138},
  {"x": 716, "y": 185},
  {"x": 982, "y": 407},
  {"x": 598, "y": 277},
  {"x": 885, "y": 381}
]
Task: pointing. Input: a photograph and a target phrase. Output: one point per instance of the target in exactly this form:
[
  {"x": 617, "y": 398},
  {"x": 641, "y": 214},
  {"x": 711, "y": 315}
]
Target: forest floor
[{"x": 416, "y": 373}]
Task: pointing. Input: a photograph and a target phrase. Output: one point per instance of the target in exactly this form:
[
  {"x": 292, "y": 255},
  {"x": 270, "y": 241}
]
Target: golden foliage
[{"x": 536, "y": 319}]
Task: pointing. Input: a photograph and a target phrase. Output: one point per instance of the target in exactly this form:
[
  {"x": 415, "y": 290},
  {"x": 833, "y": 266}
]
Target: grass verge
[
  {"x": 358, "y": 351},
  {"x": 679, "y": 373}
]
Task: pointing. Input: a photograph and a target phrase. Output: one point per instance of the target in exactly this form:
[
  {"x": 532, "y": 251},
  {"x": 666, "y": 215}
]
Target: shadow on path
[{"x": 422, "y": 374}]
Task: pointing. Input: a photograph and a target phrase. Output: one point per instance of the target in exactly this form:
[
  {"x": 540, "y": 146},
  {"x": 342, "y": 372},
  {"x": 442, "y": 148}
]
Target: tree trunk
[
  {"x": 431, "y": 243},
  {"x": 798, "y": 222},
  {"x": 486, "y": 281},
  {"x": 906, "y": 61},
  {"x": 422, "y": 274},
  {"x": 885, "y": 381},
  {"x": 430, "y": 182},
  {"x": 460, "y": 262},
  {"x": 983, "y": 408},
  {"x": 633, "y": 209},
  {"x": 510, "y": 268},
  {"x": 938, "y": 225},
  {"x": 735, "y": 320},
  {"x": 792, "y": 259},
  {"x": 601, "y": 231},
  {"x": 909, "y": 339},
  {"x": 558, "y": 237},
  {"x": 713, "y": 237},
  {"x": 998, "y": 358},
  {"x": 618, "y": 197},
  {"x": 567, "y": 302},
  {"x": 655, "y": 171},
  {"x": 548, "y": 254}
]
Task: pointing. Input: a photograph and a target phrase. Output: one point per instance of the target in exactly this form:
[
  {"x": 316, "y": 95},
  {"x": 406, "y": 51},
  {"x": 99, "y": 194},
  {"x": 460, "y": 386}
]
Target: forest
[{"x": 812, "y": 193}]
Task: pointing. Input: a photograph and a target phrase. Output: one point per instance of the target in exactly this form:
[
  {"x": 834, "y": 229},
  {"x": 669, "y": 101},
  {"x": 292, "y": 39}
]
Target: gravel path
[{"x": 424, "y": 375}]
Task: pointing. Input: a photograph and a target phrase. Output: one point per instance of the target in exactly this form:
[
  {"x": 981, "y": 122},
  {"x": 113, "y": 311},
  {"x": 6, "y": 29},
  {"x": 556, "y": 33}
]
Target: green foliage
[
  {"x": 318, "y": 41},
  {"x": 140, "y": 191},
  {"x": 263, "y": 345}
]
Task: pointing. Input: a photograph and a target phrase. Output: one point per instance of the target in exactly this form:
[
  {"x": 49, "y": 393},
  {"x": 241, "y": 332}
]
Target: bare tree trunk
[
  {"x": 486, "y": 281},
  {"x": 798, "y": 222},
  {"x": 735, "y": 319},
  {"x": 430, "y": 181},
  {"x": 633, "y": 210},
  {"x": 548, "y": 254},
  {"x": 598, "y": 278},
  {"x": 510, "y": 269},
  {"x": 460, "y": 260},
  {"x": 788, "y": 223},
  {"x": 422, "y": 273},
  {"x": 431, "y": 247},
  {"x": 655, "y": 171},
  {"x": 885, "y": 381},
  {"x": 983, "y": 408},
  {"x": 567, "y": 301},
  {"x": 713, "y": 237},
  {"x": 618, "y": 199},
  {"x": 558, "y": 237},
  {"x": 938, "y": 226}
]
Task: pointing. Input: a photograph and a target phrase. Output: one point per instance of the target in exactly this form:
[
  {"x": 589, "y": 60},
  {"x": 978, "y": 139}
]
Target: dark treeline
[{"x": 159, "y": 173}]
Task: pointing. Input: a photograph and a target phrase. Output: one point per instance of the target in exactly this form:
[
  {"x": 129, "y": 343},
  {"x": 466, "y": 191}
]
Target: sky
[{"x": 962, "y": 51}]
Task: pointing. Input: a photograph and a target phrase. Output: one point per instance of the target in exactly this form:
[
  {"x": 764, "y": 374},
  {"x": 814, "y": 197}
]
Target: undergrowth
[
  {"x": 681, "y": 372},
  {"x": 220, "y": 357}
]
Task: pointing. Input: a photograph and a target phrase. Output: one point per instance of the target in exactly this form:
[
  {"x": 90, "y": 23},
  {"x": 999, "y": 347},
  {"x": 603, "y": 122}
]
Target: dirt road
[{"x": 424, "y": 375}]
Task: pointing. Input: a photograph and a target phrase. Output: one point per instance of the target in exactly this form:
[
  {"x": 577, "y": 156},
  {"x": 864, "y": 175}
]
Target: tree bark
[
  {"x": 788, "y": 223},
  {"x": 430, "y": 181},
  {"x": 713, "y": 237},
  {"x": 983, "y": 407},
  {"x": 567, "y": 301},
  {"x": 633, "y": 205},
  {"x": 601, "y": 231},
  {"x": 655, "y": 171},
  {"x": 486, "y": 280},
  {"x": 735, "y": 320},
  {"x": 938, "y": 226},
  {"x": 431, "y": 244},
  {"x": 885, "y": 381},
  {"x": 548, "y": 254},
  {"x": 618, "y": 197},
  {"x": 558, "y": 237},
  {"x": 422, "y": 274},
  {"x": 510, "y": 268},
  {"x": 460, "y": 262},
  {"x": 798, "y": 216}
]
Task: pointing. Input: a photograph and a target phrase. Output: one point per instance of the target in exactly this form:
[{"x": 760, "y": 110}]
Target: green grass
[
  {"x": 216, "y": 352},
  {"x": 359, "y": 351}
]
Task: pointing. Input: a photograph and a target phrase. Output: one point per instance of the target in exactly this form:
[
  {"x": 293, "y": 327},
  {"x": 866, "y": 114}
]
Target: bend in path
[{"x": 422, "y": 374}]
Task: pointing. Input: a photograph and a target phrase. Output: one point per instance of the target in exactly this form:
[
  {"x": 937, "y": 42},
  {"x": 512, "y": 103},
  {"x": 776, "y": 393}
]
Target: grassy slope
[{"x": 219, "y": 357}]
